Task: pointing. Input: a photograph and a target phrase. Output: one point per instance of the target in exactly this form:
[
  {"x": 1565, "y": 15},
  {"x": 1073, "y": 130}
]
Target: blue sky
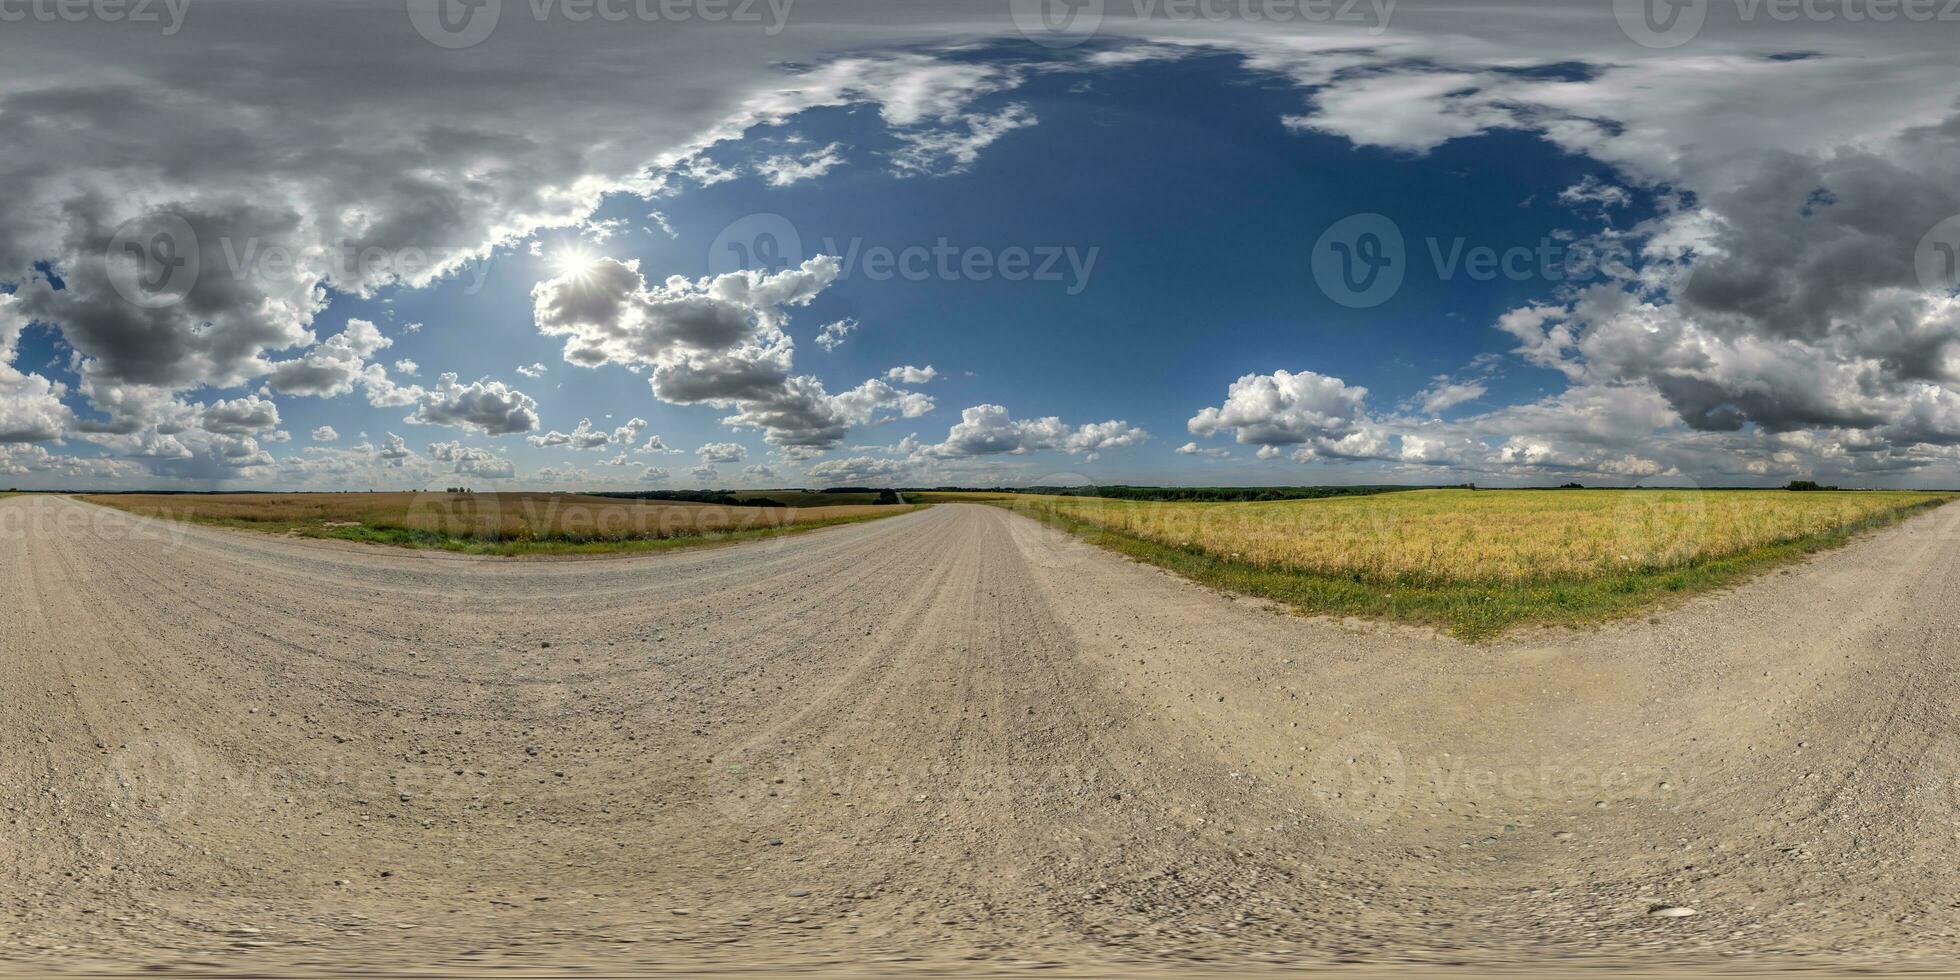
[
  {"x": 1174, "y": 206},
  {"x": 1137, "y": 219}
]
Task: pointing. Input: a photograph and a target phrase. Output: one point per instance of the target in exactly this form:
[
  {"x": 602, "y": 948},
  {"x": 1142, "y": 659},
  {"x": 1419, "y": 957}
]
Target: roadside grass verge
[
  {"x": 507, "y": 525},
  {"x": 1472, "y": 609}
]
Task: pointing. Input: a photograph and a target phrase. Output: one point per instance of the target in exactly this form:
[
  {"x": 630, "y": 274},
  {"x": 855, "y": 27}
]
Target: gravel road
[{"x": 950, "y": 740}]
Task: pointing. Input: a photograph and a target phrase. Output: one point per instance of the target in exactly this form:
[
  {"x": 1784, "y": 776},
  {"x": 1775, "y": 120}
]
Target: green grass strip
[
  {"x": 437, "y": 541},
  {"x": 1471, "y": 611}
]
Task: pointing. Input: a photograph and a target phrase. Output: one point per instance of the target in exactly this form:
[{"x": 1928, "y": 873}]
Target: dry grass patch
[{"x": 491, "y": 523}]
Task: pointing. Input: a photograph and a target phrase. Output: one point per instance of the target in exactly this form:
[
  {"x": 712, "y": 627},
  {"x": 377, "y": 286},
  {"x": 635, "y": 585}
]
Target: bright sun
[{"x": 574, "y": 261}]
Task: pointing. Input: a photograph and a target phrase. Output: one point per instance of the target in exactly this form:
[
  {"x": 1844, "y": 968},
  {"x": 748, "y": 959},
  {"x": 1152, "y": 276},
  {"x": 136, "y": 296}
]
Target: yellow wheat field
[{"x": 1488, "y": 535}]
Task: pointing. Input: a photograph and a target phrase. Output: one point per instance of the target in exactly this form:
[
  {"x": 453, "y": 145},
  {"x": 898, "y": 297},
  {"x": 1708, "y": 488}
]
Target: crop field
[
  {"x": 813, "y": 498},
  {"x": 492, "y": 523},
  {"x": 1477, "y": 562}
]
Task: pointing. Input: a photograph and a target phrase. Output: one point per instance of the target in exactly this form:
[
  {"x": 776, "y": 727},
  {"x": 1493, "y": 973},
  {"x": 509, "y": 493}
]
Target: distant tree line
[
  {"x": 726, "y": 498},
  {"x": 730, "y": 498},
  {"x": 1210, "y": 493}
]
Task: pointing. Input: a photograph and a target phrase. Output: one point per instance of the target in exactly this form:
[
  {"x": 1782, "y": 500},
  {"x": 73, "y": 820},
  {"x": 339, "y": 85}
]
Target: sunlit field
[
  {"x": 496, "y": 523},
  {"x": 1478, "y": 561},
  {"x": 1465, "y": 535}
]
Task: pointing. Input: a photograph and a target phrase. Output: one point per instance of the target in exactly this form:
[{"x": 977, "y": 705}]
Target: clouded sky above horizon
[{"x": 352, "y": 245}]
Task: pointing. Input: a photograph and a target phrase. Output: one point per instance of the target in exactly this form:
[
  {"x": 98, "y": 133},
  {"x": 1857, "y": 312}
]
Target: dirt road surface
[{"x": 949, "y": 741}]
